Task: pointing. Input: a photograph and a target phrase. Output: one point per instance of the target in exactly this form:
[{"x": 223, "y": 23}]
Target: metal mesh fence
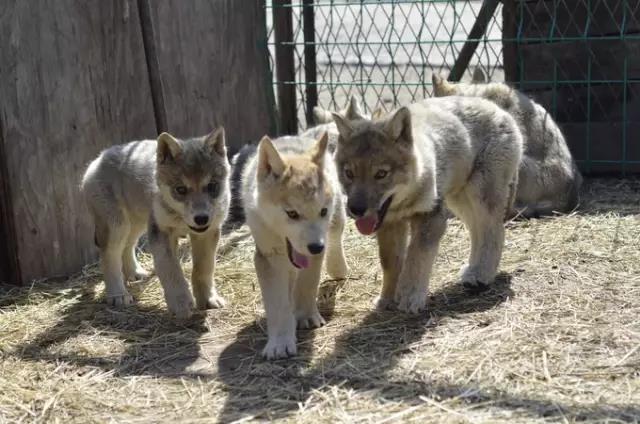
[{"x": 578, "y": 58}]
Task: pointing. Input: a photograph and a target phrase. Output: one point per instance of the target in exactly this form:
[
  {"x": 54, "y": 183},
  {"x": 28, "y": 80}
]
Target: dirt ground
[{"x": 557, "y": 339}]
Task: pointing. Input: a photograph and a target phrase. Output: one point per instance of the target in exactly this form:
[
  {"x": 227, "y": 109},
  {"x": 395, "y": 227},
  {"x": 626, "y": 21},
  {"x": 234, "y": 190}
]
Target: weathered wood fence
[{"x": 77, "y": 76}]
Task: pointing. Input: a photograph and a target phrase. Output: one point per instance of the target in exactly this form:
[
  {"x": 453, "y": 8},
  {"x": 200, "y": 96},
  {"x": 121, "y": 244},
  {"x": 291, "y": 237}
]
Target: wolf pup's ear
[
  {"x": 216, "y": 142},
  {"x": 479, "y": 77},
  {"x": 439, "y": 85},
  {"x": 269, "y": 160},
  {"x": 321, "y": 116},
  {"x": 377, "y": 113},
  {"x": 319, "y": 149},
  {"x": 344, "y": 126},
  {"x": 354, "y": 111},
  {"x": 168, "y": 148},
  {"x": 398, "y": 127}
]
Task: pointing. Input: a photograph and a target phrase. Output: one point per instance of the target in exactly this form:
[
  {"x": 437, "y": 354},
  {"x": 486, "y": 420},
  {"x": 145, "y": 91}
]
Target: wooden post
[
  {"x": 509, "y": 46},
  {"x": 479, "y": 28},
  {"x": 285, "y": 66},
  {"x": 153, "y": 66},
  {"x": 310, "y": 70}
]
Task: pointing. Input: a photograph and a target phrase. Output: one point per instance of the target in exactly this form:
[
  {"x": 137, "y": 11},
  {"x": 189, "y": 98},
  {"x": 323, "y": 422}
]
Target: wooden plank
[
  {"x": 570, "y": 60},
  {"x": 73, "y": 81},
  {"x": 577, "y": 18},
  {"x": 214, "y": 67},
  {"x": 285, "y": 66}
]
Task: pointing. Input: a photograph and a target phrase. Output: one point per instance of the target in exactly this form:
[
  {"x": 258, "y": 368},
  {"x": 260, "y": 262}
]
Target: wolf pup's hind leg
[
  {"x": 112, "y": 240},
  {"x": 133, "y": 271}
]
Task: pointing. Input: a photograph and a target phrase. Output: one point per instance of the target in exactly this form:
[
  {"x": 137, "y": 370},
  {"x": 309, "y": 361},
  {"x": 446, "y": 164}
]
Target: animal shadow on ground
[
  {"x": 362, "y": 356},
  {"x": 364, "y": 359},
  {"x": 155, "y": 343}
]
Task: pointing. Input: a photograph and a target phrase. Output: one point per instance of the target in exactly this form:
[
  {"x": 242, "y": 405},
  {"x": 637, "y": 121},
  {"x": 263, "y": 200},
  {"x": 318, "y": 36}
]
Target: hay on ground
[{"x": 556, "y": 339}]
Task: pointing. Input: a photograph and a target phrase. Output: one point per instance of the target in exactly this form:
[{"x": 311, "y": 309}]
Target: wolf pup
[
  {"x": 548, "y": 180},
  {"x": 176, "y": 187},
  {"x": 293, "y": 206},
  {"x": 398, "y": 170}
]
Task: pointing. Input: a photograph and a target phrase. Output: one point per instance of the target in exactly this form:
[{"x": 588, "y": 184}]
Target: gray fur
[
  {"x": 132, "y": 186},
  {"x": 463, "y": 151},
  {"x": 549, "y": 180}
]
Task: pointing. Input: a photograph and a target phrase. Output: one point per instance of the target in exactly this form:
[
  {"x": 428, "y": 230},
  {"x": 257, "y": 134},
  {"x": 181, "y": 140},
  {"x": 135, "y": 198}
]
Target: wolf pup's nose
[
  {"x": 201, "y": 219},
  {"x": 357, "y": 211},
  {"x": 315, "y": 248}
]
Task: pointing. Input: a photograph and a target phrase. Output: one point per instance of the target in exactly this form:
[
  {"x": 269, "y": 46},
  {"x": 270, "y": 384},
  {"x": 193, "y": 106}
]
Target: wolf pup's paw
[
  {"x": 138, "y": 274},
  {"x": 280, "y": 347},
  {"x": 412, "y": 300},
  {"x": 470, "y": 281},
  {"x": 215, "y": 301},
  {"x": 311, "y": 319},
  {"x": 181, "y": 306},
  {"x": 337, "y": 269},
  {"x": 384, "y": 304},
  {"x": 122, "y": 299}
]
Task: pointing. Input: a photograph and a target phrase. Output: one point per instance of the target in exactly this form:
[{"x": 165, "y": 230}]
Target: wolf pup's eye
[
  {"x": 212, "y": 188},
  {"x": 348, "y": 173},
  {"x": 323, "y": 212},
  {"x": 382, "y": 173},
  {"x": 293, "y": 215},
  {"x": 181, "y": 190}
]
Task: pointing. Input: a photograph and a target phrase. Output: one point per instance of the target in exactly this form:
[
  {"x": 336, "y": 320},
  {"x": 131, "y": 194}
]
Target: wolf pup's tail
[{"x": 236, "y": 216}]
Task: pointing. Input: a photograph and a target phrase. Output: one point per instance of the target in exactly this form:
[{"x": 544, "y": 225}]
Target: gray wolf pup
[
  {"x": 398, "y": 171},
  {"x": 293, "y": 206},
  {"x": 175, "y": 187},
  {"x": 548, "y": 179}
]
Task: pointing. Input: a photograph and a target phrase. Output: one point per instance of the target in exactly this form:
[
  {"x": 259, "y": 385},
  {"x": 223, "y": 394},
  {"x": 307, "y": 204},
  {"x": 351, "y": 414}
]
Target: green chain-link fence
[{"x": 578, "y": 58}]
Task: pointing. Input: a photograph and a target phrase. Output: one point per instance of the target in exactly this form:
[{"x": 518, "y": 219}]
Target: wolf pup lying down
[
  {"x": 292, "y": 204},
  {"x": 548, "y": 179},
  {"x": 176, "y": 187},
  {"x": 398, "y": 171}
]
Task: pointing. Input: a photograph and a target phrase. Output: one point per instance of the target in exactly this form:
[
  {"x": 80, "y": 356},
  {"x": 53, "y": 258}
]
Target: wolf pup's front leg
[
  {"x": 426, "y": 231},
  {"x": 276, "y": 279},
  {"x": 163, "y": 244},
  {"x": 203, "y": 251}
]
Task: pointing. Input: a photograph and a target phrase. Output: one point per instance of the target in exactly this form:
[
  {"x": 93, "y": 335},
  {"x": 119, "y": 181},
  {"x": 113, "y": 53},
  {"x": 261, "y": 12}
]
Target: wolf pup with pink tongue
[
  {"x": 401, "y": 171},
  {"x": 289, "y": 194}
]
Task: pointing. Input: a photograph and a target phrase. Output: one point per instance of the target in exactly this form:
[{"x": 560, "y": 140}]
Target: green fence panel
[{"x": 580, "y": 59}]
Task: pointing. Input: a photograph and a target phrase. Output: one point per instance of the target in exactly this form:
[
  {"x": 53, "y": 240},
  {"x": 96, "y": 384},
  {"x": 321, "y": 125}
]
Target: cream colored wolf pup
[
  {"x": 177, "y": 187},
  {"x": 548, "y": 180},
  {"x": 292, "y": 203},
  {"x": 397, "y": 172}
]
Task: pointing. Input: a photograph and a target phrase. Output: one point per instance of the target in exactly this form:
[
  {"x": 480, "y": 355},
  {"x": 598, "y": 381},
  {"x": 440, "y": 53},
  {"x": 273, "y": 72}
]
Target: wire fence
[{"x": 578, "y": 58}]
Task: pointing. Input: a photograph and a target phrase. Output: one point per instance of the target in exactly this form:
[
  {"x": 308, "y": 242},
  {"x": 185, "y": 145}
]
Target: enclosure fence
[{"x": 580, "y": 59}]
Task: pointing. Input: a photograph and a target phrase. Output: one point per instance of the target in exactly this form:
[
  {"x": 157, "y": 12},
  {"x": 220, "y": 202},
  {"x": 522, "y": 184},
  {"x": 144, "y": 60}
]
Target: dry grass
[{"x": 556, "y": 339}]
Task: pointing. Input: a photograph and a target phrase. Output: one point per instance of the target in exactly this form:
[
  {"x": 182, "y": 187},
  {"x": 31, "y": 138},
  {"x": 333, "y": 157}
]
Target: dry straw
[{"x": 557, "y": 339}]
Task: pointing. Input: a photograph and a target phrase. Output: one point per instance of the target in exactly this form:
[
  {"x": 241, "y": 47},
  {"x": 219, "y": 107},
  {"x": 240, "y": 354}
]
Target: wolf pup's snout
[
  {"x": 315, "y": 248},
  {"x": 201, "y": 219}
]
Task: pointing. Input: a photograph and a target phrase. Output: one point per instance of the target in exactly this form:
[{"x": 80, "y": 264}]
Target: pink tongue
[
  {"x": 299, "y": 259},
  {"x": 367, "y": 225}
]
